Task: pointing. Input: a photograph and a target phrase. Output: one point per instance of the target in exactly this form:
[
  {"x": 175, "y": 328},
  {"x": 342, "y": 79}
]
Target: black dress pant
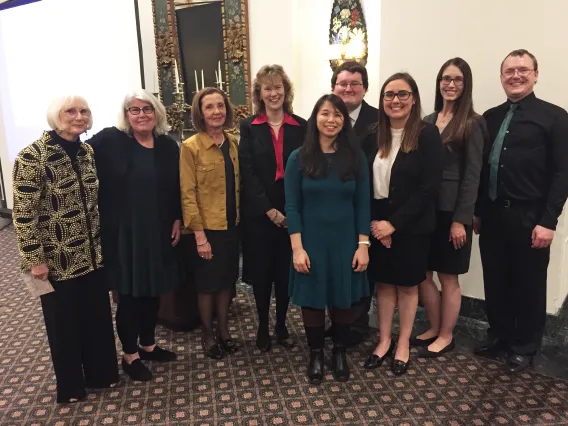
[
  {"x": 78, "y": 321},
  {"x": 270, "y": 253},
  {"x": 136, "y": 319},
  {"x": 514, "y": 275}
]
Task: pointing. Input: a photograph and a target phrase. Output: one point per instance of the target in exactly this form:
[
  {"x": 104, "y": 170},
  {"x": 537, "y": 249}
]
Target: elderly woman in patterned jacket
[{"x": 56, "y": 219}]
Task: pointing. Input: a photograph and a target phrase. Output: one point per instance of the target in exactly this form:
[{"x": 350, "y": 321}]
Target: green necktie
[{"x": 496, "y": 152}]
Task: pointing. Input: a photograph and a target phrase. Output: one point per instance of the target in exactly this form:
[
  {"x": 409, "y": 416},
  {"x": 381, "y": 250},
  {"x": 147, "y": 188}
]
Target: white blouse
[{"x": 382, "y": 167}]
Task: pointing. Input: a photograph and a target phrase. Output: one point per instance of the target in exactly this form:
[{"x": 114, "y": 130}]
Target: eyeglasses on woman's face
[
  {"x": 447, "y": 80},
  {"x": 402, "y": 95},
  {"x": 72, "y": 112},
  {"x": 136, "y": 110}
]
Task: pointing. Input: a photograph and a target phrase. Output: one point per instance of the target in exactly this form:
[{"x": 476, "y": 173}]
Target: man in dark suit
[
  {"x": 350, "y": 82},
  {"x": 524, "y": 185}
]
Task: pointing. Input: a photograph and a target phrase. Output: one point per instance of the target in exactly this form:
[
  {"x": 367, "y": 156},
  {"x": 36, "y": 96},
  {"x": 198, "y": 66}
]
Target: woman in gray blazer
[{"x": 462, "y": 132}]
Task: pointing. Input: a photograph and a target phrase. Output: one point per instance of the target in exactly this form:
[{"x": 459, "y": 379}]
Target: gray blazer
[{"x": 461, "y": 172}]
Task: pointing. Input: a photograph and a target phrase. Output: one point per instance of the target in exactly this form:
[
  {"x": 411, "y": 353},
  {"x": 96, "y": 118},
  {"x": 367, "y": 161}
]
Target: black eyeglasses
[
  {"x": 136, "y": 110},
  {"x": 446, "y": 80},
  {"x": 353, "y": 84},
  {"x": 402, "y": 95}
]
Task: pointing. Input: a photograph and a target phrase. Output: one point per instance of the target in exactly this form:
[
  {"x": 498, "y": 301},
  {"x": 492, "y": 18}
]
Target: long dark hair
[
  {"x": 460, "y": 126},
  {"x": 347, "y": 157},
  {"x": 413, "y": 125}
]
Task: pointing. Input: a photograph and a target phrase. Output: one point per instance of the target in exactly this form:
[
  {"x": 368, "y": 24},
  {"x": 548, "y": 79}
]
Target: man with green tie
[{"x": 523, "y": 188}]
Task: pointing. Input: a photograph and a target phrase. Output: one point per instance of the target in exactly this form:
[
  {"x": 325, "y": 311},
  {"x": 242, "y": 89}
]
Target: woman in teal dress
[{"x": 328, "y": 219}]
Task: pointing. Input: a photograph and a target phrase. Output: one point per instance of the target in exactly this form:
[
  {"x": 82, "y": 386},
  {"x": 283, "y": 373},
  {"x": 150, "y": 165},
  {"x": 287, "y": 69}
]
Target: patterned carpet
[{"x": 251, "y": 388}]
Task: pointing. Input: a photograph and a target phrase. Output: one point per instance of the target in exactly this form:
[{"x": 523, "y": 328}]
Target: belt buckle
[{"x": 506, "y": 203}]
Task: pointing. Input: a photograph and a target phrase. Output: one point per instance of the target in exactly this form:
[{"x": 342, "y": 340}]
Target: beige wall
[{"x": 418, "y": 36}]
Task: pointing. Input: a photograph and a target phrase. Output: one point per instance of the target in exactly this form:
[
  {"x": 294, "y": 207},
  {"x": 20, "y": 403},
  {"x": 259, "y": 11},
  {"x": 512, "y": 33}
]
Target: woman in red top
[{"x": 267, "y": 139}]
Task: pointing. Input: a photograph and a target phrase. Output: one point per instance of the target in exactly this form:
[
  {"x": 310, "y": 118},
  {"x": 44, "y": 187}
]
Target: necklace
[{"x": 276, "y": 125}]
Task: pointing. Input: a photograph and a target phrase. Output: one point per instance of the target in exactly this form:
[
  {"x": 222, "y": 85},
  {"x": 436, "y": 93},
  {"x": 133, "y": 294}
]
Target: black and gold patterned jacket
[{"x": 55, "y": 209}]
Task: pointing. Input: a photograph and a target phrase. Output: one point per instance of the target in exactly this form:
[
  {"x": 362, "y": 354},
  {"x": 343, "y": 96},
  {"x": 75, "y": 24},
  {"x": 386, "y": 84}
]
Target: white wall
[
  {"x": 418, "y": 36},
  {"x": 57, "y": 47},
  {"x": 294, "y": 33}
]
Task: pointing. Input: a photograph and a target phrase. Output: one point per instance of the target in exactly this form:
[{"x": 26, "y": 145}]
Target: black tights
[
  {"x": 136, "y": 319},
  {"x": 213, "y": 304},
  {"x": 314, "y": 324},
  {"x": 262, "y": 294}
]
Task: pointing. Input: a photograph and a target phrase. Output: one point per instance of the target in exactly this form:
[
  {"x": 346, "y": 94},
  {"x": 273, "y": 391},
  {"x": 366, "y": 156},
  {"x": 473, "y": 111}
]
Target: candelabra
[{"x": 177, "y": 111}]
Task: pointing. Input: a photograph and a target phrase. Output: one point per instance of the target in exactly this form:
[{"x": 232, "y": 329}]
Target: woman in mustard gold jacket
[{"x": 209, "y": 177}]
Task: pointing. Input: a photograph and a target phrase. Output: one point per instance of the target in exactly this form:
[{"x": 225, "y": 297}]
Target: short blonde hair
[
  {"x": 197, "y": 114},
  {"x": 161, "y": 128},
  {"x": 265, "y": 75},
  {"x": 58, "y": 105}
]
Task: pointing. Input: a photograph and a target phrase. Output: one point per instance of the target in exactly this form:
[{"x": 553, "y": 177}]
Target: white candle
[
  {"x": 202, "y": 79},
  {"x": 220, "y": 77},
  {"x": 196, "y": 82},
  {"x": 176, "y": 73},
  {"x": 216, "y": 77}
]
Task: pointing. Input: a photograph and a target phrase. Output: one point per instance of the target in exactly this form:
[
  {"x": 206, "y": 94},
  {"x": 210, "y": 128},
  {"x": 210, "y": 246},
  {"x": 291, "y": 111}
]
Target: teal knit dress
[{"x": 330, "y": 214}]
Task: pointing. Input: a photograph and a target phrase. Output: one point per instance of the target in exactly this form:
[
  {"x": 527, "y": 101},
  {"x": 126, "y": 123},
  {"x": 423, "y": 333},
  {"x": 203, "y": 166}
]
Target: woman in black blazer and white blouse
[
  {"x": 461, "y": 131},
  {"x": 267, "y": 139},
  {"x": 405, "y": 159}
]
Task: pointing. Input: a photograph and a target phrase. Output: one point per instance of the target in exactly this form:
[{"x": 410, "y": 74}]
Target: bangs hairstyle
[
  {"x": 58, "y": 105},
  {"x": 460, "y": 126},
  {"x": 266, "y": 75},
  {"x": 197, "y": 115},
  {"x": 347, "y": 155},
  {"x": 161, "y": 128},
  {"x": 413, "y": 125}
]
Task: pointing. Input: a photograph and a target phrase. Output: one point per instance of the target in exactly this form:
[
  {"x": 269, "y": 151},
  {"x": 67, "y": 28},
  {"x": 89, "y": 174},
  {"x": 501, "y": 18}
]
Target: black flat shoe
[
  {"x": 230, "y": 346},
  {"x": 425, "y": 353},
  {"x": 375, "y": 361},
  {"x": 399, "y": 367},
  {"x": 315, "y": 367},
  {"x": 136, "y": 370},
  {"x": 339, "y": 366},
  {"x": 215, "y": 352},
  {"x": 263, "y": 342},
  {"x": 518, "y": 363},
  {"x": 416, "y": 342},
  {"x": 287, "y": 343},
  {"x": 158, "y": 354}
]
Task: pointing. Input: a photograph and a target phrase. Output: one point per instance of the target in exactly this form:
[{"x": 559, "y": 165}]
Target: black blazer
[
  {"x": 414, "y": 182},
  {"x": 258, "y": 164},
  {"x": 368, "y": 116},
  {"x": 112, "y": 154},
  {"x": 461, "y": 172}
]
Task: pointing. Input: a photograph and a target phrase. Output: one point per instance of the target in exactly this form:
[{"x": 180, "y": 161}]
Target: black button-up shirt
[{"x": 533, "y": 166}]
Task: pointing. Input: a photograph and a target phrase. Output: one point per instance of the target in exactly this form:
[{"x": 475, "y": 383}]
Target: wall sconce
[{"x": 347, "y": 33}]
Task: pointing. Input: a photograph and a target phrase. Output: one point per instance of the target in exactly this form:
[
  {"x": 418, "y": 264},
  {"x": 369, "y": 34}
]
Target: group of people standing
[{"x": 355, "y": 201}]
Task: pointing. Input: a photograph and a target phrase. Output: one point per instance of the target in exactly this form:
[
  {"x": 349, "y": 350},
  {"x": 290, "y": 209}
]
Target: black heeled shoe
[
  {"x": 416, "y": 342},
  {"x": 399, "y": 367},
  {"x": 315, "y": 367},
  {"x": 375, "y": 361},
  {"x": 136, "y": 370},
  {"x": 283, "y": 338},
  {"x": 215, "y": 351},
  {"x": 426, "y": 353},
  {"x": 339, "y": 366},
  {"x": 518, "y": 363},
  {"x": 263, "y": 342}
]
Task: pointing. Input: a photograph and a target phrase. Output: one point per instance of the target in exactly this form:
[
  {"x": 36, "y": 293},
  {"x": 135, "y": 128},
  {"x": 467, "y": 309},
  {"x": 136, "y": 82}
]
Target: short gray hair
[
  {"x": 60, "y": 104},
  {"x": 162, "y": 127}
]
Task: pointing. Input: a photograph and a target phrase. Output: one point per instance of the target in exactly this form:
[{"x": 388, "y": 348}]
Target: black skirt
[
  {"x": 405, "y": 263},
  {"x": 444, "y": 258},
  {"x": 222, "y": 271}
]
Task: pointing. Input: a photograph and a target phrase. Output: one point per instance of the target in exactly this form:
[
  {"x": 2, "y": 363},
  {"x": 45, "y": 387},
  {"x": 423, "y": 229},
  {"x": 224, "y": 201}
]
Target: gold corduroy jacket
[
  {"x": 55, "y": 210},
  {"x": 202, "y": 181}
]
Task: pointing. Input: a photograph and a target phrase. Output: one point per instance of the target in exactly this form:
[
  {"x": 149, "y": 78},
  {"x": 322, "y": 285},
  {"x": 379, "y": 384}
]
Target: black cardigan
[
  {"x": 257, "y": 162},
  {"x": 414, "y": 182},
  {"x": 112, "y": 158}
]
